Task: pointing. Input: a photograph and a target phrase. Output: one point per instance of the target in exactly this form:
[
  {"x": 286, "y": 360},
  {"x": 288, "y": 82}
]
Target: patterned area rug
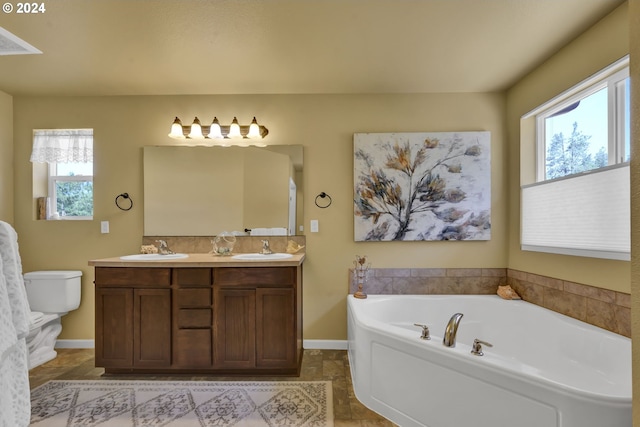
[{"x": 109, "y": 403}]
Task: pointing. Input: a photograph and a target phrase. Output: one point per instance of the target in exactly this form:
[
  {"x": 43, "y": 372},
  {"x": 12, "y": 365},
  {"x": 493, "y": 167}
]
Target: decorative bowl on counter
[{"x": 223, "y": 244}]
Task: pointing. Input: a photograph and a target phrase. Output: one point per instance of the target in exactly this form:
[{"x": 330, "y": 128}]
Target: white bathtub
[{"x": 544, "y": 369}]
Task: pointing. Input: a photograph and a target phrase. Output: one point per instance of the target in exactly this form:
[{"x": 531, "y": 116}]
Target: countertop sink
[
  {"x": 152, "y": 257},
  {"x": 262, "y": 257}
]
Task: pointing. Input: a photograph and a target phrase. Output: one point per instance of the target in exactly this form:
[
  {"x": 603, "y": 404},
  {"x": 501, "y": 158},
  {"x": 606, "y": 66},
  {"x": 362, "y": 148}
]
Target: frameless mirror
[{"x": 202, "y": 191}]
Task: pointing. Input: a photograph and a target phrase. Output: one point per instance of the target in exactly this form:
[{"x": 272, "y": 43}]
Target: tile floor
[{"x": 317, "y": 365}]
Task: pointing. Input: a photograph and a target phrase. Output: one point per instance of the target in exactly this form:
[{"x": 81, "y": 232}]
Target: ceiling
[{"x": 144, "y": 47}]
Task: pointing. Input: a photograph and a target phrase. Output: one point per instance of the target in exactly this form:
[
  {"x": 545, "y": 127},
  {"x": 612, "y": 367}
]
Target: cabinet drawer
[
  {"x": 192, "y": 276},
  {"x": 140, "y": 277},
  {"x": 193, "y": 298},
  {"x": 194, "y": 318},
  {"x": 255, "y": 276}
]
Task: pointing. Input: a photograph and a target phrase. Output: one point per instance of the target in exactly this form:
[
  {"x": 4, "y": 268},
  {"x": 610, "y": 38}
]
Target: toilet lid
[{"x": 53, "y": 274}]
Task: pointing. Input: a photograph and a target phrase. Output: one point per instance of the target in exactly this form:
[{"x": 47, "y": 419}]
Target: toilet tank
[{"x": 53, "y": 291}]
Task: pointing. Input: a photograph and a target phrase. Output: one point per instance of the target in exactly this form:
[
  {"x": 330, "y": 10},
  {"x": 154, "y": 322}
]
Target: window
[
  {"x": 586, "y": 128},
  {"x": 67, "y": 183},
  {"x": 71, "y": 190},
  {"x": 579, "y": 202}
]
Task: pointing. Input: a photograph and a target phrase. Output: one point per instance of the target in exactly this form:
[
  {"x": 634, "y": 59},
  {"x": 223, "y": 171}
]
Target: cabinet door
[
  {"x": 276, "y": 332},
  {"x": 114, "y": 327},
  {"x": 152, "y": 328},
  {"x": 235, "y": 328}
]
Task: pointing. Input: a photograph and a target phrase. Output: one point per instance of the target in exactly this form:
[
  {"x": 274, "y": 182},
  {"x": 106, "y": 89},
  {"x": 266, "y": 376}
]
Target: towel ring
[
  {"x": 323, "y": 195},
  {"x": 124, "y": 196}
]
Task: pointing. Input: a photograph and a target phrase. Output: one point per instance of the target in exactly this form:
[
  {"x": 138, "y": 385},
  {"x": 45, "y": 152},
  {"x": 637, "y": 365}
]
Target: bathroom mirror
[{"x": 203, "y": 191}]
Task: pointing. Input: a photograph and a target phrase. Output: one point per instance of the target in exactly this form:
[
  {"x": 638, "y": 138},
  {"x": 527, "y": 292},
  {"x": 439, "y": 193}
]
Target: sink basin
[
  {"x": 262, "y": 257},
  {"x": 152, "y": 257}
]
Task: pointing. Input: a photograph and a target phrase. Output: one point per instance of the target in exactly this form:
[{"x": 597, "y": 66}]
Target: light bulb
[
  {"x": 254, "y": 130},
  {"x": 176, "y": 129},
  {"x": 234, "y": 129},
  {"x": 196, "y": 130},
  {"x": 215, "y": 131}
]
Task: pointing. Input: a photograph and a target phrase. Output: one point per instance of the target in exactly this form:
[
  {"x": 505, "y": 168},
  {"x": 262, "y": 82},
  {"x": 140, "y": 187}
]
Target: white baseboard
[
  {"x": 75, "y": 344},
  {"x": 325, "y": 344}
]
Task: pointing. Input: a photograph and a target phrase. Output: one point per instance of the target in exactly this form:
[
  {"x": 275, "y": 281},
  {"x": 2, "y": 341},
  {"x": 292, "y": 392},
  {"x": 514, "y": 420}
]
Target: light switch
[
  {"x": 104, "y": 227},
  {"x": 314, "y": 225}
]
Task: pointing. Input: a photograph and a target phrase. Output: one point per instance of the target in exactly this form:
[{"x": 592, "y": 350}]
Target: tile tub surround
[
  {"x": 422, "y": 281},
  {"x": 244, "y": 244},
  {"x": 606, "y": 309}
]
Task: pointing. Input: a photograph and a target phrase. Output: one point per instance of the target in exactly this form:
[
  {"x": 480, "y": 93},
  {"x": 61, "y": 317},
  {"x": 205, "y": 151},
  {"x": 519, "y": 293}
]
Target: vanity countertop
[{"x": 199, "y": 260}]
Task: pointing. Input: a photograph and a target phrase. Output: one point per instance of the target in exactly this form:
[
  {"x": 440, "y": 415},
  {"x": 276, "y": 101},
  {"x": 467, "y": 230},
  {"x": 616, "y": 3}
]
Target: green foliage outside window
[{"x": 74, "y": 198}]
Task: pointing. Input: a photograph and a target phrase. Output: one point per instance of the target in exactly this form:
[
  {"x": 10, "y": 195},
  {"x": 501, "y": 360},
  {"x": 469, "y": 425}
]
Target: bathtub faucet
[{"x": 451, "y": 330}]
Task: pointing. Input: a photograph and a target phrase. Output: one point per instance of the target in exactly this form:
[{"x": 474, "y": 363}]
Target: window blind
[{"x": 583, "y": 215}]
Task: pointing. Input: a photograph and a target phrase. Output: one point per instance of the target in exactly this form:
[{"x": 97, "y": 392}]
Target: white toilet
[{"x": 51, "y": 295}]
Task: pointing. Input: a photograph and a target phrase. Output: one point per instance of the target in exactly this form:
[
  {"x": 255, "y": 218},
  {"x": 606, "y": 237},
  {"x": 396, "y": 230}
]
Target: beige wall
[
  {"x": 6, "y": 157},
  {"x": 634, "y": 21},
  {"x": 598, "y": 47},
  {"x": 324, "y": 124}
]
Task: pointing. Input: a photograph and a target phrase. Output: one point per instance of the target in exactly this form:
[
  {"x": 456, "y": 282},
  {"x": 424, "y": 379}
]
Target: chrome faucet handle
[
  {"x": 476, "y": 348},
  {"x": 163, "y": 248},
  {"x": 266, "y": 250},
  {"x": 425, "y": 331}
]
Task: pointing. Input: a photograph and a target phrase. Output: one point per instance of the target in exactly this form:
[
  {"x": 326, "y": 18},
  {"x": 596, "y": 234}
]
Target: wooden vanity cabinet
[
  {"x": 255, "y": 318},
  {"x": 227, "y": 320},
  {"x": 133, "y": 317}
]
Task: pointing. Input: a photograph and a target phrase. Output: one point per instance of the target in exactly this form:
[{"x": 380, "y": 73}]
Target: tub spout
[{"x": 451, "y": 330}]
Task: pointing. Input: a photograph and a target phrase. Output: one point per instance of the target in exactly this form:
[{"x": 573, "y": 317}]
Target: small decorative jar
[{"x": 223, "y": 244}]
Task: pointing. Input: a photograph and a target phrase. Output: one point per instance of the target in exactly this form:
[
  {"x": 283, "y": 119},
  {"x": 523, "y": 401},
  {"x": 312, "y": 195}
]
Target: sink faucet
[
  {"x": 451, "y": 330},
  {"x": 266, "y": 250},
  {"x": 163, "y": 248}
]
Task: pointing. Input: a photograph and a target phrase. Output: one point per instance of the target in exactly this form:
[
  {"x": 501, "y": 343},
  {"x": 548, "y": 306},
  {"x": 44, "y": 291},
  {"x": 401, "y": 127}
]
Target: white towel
[
  {"x": 278, "y": 231},
  {"x": 259, "y": 231},
  {"x": 275, "y": 231},
  {"x": 14, "y": 285},
  {"x": 15, "y": 405}
]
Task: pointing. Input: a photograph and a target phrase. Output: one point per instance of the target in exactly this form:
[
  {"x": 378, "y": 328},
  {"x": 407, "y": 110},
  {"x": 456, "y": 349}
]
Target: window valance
[{"x": 62, "y": 146}]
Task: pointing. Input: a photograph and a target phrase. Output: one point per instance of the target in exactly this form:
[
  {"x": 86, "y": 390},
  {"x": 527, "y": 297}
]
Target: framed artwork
[{"x": 422, "y": 186}]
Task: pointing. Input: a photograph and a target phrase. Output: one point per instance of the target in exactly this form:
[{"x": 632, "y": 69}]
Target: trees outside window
[{"x": 71, "y": 189}]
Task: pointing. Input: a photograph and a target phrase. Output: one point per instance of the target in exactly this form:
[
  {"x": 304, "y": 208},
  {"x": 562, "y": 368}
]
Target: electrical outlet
[
  {"x": 314, "y": 226},
  {"x": 104, "y": 227}
]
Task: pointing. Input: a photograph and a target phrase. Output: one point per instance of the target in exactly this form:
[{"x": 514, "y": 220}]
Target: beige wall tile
[
  {"x": 569, "y": 304},
  {"x": 604, "y": 295},
  {"x": 601, "y": 314}
]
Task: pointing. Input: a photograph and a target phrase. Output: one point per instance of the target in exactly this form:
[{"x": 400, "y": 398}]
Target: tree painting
[{"x": 422, "y": 186}]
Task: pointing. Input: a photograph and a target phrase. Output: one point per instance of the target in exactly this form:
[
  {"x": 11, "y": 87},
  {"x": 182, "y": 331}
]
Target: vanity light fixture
[{"x": 217, "y": 131}]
